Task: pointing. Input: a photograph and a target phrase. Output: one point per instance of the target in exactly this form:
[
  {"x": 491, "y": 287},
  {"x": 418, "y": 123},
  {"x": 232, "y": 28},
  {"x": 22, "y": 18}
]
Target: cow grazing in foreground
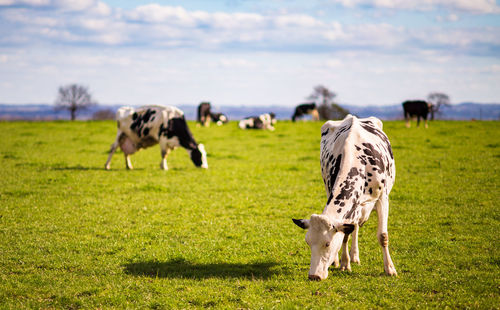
[
  {"x": 304, "y": 109},
  {"x": 204, "y": 114},
  {"x": 219, "y": 118},
  {"x": 263, "y": 121},
  {"x": 358, "y": 171},
  {"x": 149, "y": 125},
  {"x": 418, "y": 108}
]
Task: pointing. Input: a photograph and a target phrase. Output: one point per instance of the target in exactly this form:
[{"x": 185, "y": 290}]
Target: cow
[
  {"x": 358, "y": 172},
  {"x": 263, "y": 121},
  {"x": 149, "y": 125},
  {"x": 418, "y": 108},
  {"x": 219, "y": 118},
  {"x": 204, "y": 114},
  {"x": 306, "y": 108}
]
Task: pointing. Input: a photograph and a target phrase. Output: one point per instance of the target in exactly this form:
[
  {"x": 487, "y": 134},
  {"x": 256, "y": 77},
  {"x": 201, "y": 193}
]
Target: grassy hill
[{"x": 73, "y": 235}]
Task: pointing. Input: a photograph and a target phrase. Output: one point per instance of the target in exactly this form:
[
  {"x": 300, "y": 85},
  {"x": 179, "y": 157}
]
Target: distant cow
[
  {"x": 149, "y": 125},
  {"x": 306, "y": 108},
  {"x": 263, "y": 121},
  {"x": 219, "y": 118},
  {"x": 358, "y": 171},
  {"x": 418, "y": 108},
  {"x": 204, "y": 114}
]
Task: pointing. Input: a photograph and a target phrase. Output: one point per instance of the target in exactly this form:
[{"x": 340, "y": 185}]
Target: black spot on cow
[
  {"x": 368, "y": 126},
  {"x": 369, "y": 174},
  {"x": 339, "y": 210},
  {"x": 370, "y": 190},
  {"x": 146, "y": 131},
  {"x": 324, "y": 133},
  {"x": 353, "y": 172},
  {"x": 140, "y": 120}
]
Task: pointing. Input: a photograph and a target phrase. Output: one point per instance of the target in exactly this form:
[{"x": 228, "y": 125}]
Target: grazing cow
[
  {"x": 418, "y": 108},
  {"x": 204, "y": 114},
  {"x": 306, "y": 108},
  {"x": 263, "y": 121},
  {"x": 219, "y": 118},
  {"x": 358, "y": 172},
  {"x": 146, "y": 126}
]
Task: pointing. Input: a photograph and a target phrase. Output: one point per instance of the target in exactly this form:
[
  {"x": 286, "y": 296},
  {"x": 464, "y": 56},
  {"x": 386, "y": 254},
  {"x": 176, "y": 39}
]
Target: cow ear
[
  {"x": 304, "y": 224},
  {"x": 347, "y": 228},
  {"x": 343, "y": 227}
]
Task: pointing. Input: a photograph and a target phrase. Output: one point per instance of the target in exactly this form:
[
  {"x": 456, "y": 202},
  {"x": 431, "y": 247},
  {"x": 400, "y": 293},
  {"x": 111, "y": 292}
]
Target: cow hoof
[
  {"x": 356, "y": 260},
  {"x": 345, "y": 268},
  {"x": 107, "y": 167},
  {"x": 391, "y": 271}
]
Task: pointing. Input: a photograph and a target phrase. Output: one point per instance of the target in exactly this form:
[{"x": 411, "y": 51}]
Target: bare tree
[
  {"x": 437, "y": 100},
  {"x": 327, "y": 108},
  {"x": 73, "y": 98}
]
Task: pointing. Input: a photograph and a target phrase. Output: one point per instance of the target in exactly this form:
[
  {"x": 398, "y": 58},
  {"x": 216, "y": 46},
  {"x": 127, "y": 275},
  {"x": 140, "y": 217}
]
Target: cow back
[{"x": 357, "y": 163}]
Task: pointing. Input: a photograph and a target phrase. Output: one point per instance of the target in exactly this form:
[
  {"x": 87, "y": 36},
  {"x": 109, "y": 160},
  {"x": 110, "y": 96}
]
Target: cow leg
[
  {"x": 407, "y": 118},
  {"x": 164, "y": 154},
  {"x": 128, "y": 163},
  {"x": 382, "y": 235},
  {"x": 354, "y": 253},
  {"x": 418, "y": 120},
  {"x": 345, "y": 261},
  {"x": 112, "y": 150}
]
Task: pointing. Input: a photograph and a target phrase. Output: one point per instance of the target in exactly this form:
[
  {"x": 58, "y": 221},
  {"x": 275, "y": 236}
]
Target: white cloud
[
  {"x": 472, "y": 6},
  {"x": 236, "y": 63}
]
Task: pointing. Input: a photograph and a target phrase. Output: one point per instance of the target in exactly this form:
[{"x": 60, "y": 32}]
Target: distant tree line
[{"x": 75, "y": 98}]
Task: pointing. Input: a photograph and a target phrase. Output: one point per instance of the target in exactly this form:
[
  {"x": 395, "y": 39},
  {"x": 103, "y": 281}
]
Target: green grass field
[{"x": 73, "y": 235}]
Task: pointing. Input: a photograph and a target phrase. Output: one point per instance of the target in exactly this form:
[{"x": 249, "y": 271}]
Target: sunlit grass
[{"x": 73, "y": 235}]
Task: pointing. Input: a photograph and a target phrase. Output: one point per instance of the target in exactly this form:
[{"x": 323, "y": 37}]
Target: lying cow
[
  {"x": 263, "y": 121},
  {"x": 418, "y": 108},
  {"x": 146, "y": 126},
  {"x": 358, "y": 172},
  {"x": 305, "y": 109},
  {"x": 219, "y": 118}
]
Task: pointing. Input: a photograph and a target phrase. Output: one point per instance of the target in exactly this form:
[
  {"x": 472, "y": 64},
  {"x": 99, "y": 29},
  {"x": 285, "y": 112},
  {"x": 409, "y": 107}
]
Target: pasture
[{"x": 73, "y": 235}]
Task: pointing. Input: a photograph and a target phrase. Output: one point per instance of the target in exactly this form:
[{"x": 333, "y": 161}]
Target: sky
[{"x": 250, "y": 52}]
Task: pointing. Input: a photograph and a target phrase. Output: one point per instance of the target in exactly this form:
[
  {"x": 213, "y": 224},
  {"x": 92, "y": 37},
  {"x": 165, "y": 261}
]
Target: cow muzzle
[{"x": 314, "y": 277}]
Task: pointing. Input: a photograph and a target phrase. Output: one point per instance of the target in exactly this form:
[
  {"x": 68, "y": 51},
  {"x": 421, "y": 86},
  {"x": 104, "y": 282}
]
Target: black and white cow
[
  {"x": 219, "y": 118},
  {"x": 149, "y": 125},
  {"x": 304, "y": 109},
  {"x": 204, "y": 114},
  {"x": 418, "y": 108},
  {"x": 358, "y": 171},
  {"x": 263, "y": 121}
]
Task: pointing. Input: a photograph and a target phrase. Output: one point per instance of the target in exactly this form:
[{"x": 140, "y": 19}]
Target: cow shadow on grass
[
  {"x": 83, "y": 168},
  {"x": 182, "y": 269}
]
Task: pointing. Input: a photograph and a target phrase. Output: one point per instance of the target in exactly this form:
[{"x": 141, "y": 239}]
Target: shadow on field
[
  {"x": 78, "y": 168},
  {"x": 82, "y": 168},
  {"x": 180, "y": 268}
]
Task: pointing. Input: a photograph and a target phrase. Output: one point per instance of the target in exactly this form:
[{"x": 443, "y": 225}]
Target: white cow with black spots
[
  {"x": 358, "y": 171},
  {"x": 146, "y": 126},
  {"x": 263, "y": 121}
]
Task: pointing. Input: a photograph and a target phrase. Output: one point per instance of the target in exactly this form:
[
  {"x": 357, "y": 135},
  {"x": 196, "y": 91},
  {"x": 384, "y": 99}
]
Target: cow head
[
  {"x": 199, "y": 156},
  {"x": 324, "y": 236}
]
